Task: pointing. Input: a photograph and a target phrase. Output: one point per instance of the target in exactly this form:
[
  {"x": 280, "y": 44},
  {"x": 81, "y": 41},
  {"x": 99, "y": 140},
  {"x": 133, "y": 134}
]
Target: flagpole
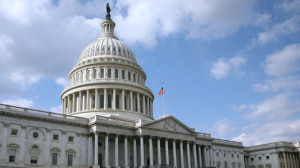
[{"x": 164, "y": 104}]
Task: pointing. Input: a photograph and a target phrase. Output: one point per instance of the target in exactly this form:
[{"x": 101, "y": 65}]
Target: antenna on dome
[{"x": 107, "y": 16}]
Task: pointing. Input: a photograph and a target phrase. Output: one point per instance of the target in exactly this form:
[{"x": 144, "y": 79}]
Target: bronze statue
[{"x": 108, "y": 12}]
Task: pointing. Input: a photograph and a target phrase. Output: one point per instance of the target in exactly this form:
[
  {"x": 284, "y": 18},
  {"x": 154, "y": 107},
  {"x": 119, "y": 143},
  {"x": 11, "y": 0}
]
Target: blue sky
[{"x": 230, "y": 68}]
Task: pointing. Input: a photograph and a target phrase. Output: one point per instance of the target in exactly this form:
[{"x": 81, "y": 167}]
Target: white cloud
[
  {"x": 290, "y": 6},
  {"x": 55, "y": 109},
  {"x": 275, "y": 108},
  {"x": 283, "y": 62},
  {"x": 222, "y": 128},
  {"x": 221, "y": 68},
  {"x": 285, "y": 83},
  {"x": 290, "y": 26},
  {"x": 21, "y": 102},
  {"x": 198, "y": 18},
  {"x": 271, "y": 132},
  {"x": 62, "y": 81},
  {"x": 5, "y": 43}
]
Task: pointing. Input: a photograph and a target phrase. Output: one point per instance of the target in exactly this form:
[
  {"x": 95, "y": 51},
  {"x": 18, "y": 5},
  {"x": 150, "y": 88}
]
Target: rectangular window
[
  {"x": 34, "y": 155},
  {"x": 123, "y": 74},
  {"x": 55, "y": 137},
  {"x": 101, "y": 101},
  {"x": 252, "y": 159},
  {"x": 267, "y": 157},
  {"x": 133, "y": 77},
  {"x": 12, "y": 155},
  {"x": 70, "y": 139},
  {"x": 109, "y": 73},
  {"x": 70, "y": 159},
  {"x": 138, "y": 79},
  {"x": 117, "y": 101},
  {"x": 14, "y": 132},
  {"x": 129, "y": 76},
  {"x": 259, "y": 158},
  {"x": 54, "y": 158},
  {"x": 109, "y": 101},
  {"x": 102, "y": 73},
  {"x": 116, "y": 73}
]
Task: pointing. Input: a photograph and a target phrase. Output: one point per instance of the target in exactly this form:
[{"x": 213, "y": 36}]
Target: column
[
  {"x": 158, "y": 152},
  {"x": 138, "y": 103},
  {"x": 205, "y": 157},
  {"x": 276, "y": 158},
  {"x": 87, "y": 100},
  {"x": 174, "y": 153},
  {"x": 96, "y": 165},
  {"x": 144, "y": 105},
  {"x": 96, "y": 99},
  {"x": 211, "y": 156},
  {"x": 73, "y": 104},
  {"x": 151, "y": 151},
  {"x": 134, "y": 153},
  {"x": 69, "y": 105},
  {"x": 106, "y": 152},
  {"x": 90, "y": 151},
  {"x": 148, "y": 107},
  {"x": 105, "y": 99},
  {"x": 284, "y": 159},
  {"x": 126, "y": 152},
  {"x": 64, "y": 106},
  {"x": 131, "y": 101},
  {"x": 167, "y": 151},
  {"x": 151, "y": 108},
  {"x": 80, "y": 102},
  {"x": 114, "y": 99},
  {"x": 123, "y": 100},
  {"x": 195, "y": 155},
  {"x": 142, "y": 151},
  {"x": 116, "y": 151},
  {"x": 199, "y": 152},
  {"x": 288, "y": 160},
  {"x": 181, "y": 155},
  {"x": 188, "y": 155}
]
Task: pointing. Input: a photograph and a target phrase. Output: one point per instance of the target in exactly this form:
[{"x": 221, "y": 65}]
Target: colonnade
[
  {"x": 176, "y": 153},
  {"x": 104, "y": 98},
  {"x": 291, "y": 159}
]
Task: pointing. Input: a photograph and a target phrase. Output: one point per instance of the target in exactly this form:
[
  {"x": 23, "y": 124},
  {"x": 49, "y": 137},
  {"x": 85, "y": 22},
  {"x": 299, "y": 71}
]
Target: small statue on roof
[{"x": 108, "y": 12}]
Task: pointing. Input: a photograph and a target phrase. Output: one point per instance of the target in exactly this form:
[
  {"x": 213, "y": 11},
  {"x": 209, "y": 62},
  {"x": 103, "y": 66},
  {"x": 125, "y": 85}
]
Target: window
[
  {"x": 217, "y": 154},
  {"x": 70, "y": 139},
  {"x": 34, "y": 155},
  {"x": 55, "y": 137},
  {"x": 123, "y": 74},
  {"x": 252, "y": 159},
  {"x": 14, "y": 132},
  {"x": 116, "y": 73},
  {"x": 232, "y": 155},
  {"x": 138, "y": 79},
  {"x": 259, "y": 158},
  {"x": 129, "y": 76},
  {"x": 54, "y": 158},
  {"x": 70, "y": 159},
  {"x": 267, "y": 157},
  {"x": 95, "y": 73},
  {"x": 102, "y": 73},
  {"x": 12, "y": 155},
  {"x": 109, "y": 73},
  {"x": 35, "y": 135},
  {"x": 133, "y": 77},
  {"x": 101, "y": 101},
  {"x": 109, "y": 101},
  {"x": 238, "y": 156},
  {"x": 224, "y": 154},
  {"x": 117, "y": 101}
]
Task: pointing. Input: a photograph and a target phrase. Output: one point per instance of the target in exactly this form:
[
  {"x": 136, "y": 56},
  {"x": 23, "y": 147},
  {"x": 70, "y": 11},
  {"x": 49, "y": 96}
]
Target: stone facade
[{"x": 107, "y": 121}]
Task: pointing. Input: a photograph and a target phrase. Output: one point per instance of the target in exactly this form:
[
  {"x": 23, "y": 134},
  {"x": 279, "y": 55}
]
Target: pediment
[{"x": 170, "y": 123}]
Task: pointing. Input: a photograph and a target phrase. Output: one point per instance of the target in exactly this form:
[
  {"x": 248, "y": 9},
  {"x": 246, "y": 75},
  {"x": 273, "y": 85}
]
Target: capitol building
[{"x": 107, "y": 121}]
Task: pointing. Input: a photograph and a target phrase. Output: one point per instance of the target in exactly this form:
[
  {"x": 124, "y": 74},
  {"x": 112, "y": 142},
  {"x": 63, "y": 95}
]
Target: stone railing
[
  {"x": 39, "y": 112},
  {"x": 270, "y": 146},
  {"x": 203, "y": 135},
  {"x": 227, "y": 142}
]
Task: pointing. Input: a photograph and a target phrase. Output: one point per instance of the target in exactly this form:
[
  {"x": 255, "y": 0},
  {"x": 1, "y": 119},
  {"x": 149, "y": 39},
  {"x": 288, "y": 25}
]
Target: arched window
[{"x": 34, "y": 153}]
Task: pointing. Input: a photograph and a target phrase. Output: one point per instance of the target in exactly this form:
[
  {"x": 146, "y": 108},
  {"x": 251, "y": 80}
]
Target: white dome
[{"x": 107, "y": 45}]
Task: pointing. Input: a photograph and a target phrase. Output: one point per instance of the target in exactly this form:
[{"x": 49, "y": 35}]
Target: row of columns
[
  {"x": 291, "y": 160},
  {"x": 103, "y": 73},
  {"x": 90, "y": 99},
  {"x": 198, "y": 158}
]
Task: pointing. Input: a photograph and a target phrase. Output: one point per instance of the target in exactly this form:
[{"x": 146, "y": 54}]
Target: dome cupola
[{"x": 107, "y": 81}]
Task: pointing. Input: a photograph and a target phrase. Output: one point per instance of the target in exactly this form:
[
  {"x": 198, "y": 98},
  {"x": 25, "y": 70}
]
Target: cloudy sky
[{"x": 230, "y": 68}]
